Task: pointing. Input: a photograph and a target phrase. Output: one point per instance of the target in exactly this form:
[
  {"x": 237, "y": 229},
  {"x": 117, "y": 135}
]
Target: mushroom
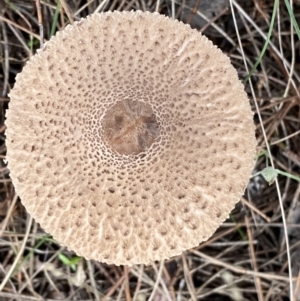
[{"x": 129, "y": 137}]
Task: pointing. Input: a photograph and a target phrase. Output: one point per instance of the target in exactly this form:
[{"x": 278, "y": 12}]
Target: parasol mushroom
[{"x": 129, "y": 137}]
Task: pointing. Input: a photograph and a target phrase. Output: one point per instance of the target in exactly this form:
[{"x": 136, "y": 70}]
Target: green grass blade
[
  {"x": 266, "y": 43},
  {"x": 64, "y": 259},
  {"x": 288, "y": 175},
  {"x": 55, "y": 19},
  {"x": 43, "y": 239},
  {"x": 69, "y": 262},
  {"x": 296, "y": 26},
  {"x": 242, "y": 234}
]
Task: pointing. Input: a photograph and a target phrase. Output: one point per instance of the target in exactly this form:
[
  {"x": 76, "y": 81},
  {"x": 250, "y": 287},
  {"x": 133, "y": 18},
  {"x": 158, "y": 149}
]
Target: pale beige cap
[{"x": 129, "y": 137}]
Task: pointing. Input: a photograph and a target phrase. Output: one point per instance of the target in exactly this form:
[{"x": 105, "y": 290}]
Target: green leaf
[
  {"x": 64, "y": 259},
  {"x": 266, "y": 43},
  {"x": 69, "y": 262},
  {"x": 269, "y": 174}
]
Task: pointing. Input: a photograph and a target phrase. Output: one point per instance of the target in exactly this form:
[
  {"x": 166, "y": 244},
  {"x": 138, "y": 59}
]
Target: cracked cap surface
[{"x": 129, "y": 137}]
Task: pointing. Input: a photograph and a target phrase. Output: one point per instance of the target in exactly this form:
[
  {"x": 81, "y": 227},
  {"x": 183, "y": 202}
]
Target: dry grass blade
[
  {"x": 158, "y": 279},
  {"x": 188, "y": 279},
  {"x": 254, "y": 262},
  {"x": 20, "y": 253},
  {"x": 241, "y": 271},
  {"x": 247, "y": 258},
  {"x": 19, "y": 27},
  {"x": 269, "y": 154}
]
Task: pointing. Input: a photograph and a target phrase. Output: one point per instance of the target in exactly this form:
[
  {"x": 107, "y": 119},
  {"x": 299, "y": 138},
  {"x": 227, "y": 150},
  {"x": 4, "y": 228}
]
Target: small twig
[
  {"x": 6, "y": 61},
  {"x": 292, "y": 156},
  {"x": 139, "y": 282},
  {"x": 8, "y": 214},
  {"x": 254, "y": 263},
  {"x": 239, "y": 270},
  {"x": 157, "y": 281},
  {"x": 194, "y": 11},
  {"x": 297, "y": 287},
  {"x": 214, "y": 19},
  {"x": 67, "y": 11},
  {"x": 248, "y": 204},
  {"x": 92, "y": 278},
  {"x": 18, "y": 26},
  {"x": 173, "y": 9},
  {"x": 188, "y": 279},
  {"x": 157, "y": 5},
  {"x": 285, "y": 138},
  {"x": 126, "y": 284},
  {"x": 113, "y": 288},
  {"x": 40, "y": 20},
  {"x": 167, "y": 295}
]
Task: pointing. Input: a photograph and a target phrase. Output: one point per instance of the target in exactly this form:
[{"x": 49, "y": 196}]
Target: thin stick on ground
[
  {"x": 256, "y": 210},
  {"x": 139, "y": 282},
  {"x": 267, "y": 276},
  {"x": 67, "y": 11},
  {"x": 40, "y": 20},
  {"x": 126, "y": 284},
  {"x": 157, "y": 281},
  {"x": 254, "y": 263},
  {"x": 19, "y": 27}
]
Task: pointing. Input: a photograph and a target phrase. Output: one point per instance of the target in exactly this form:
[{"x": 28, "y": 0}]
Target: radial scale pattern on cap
[{"x": 129, "y": 137}]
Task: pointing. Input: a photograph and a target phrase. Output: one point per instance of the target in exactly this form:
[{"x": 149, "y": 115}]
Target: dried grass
[{"x": 246, "y": 259}]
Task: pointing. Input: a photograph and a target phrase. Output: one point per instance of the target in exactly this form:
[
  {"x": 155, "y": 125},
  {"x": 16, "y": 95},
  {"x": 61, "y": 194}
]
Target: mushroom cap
[{"x": 129, "y": 137}]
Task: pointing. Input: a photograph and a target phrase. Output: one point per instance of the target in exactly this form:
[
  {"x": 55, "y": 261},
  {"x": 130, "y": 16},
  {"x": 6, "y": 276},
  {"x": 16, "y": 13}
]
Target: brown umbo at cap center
[{"x": 130, "y": 127}]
